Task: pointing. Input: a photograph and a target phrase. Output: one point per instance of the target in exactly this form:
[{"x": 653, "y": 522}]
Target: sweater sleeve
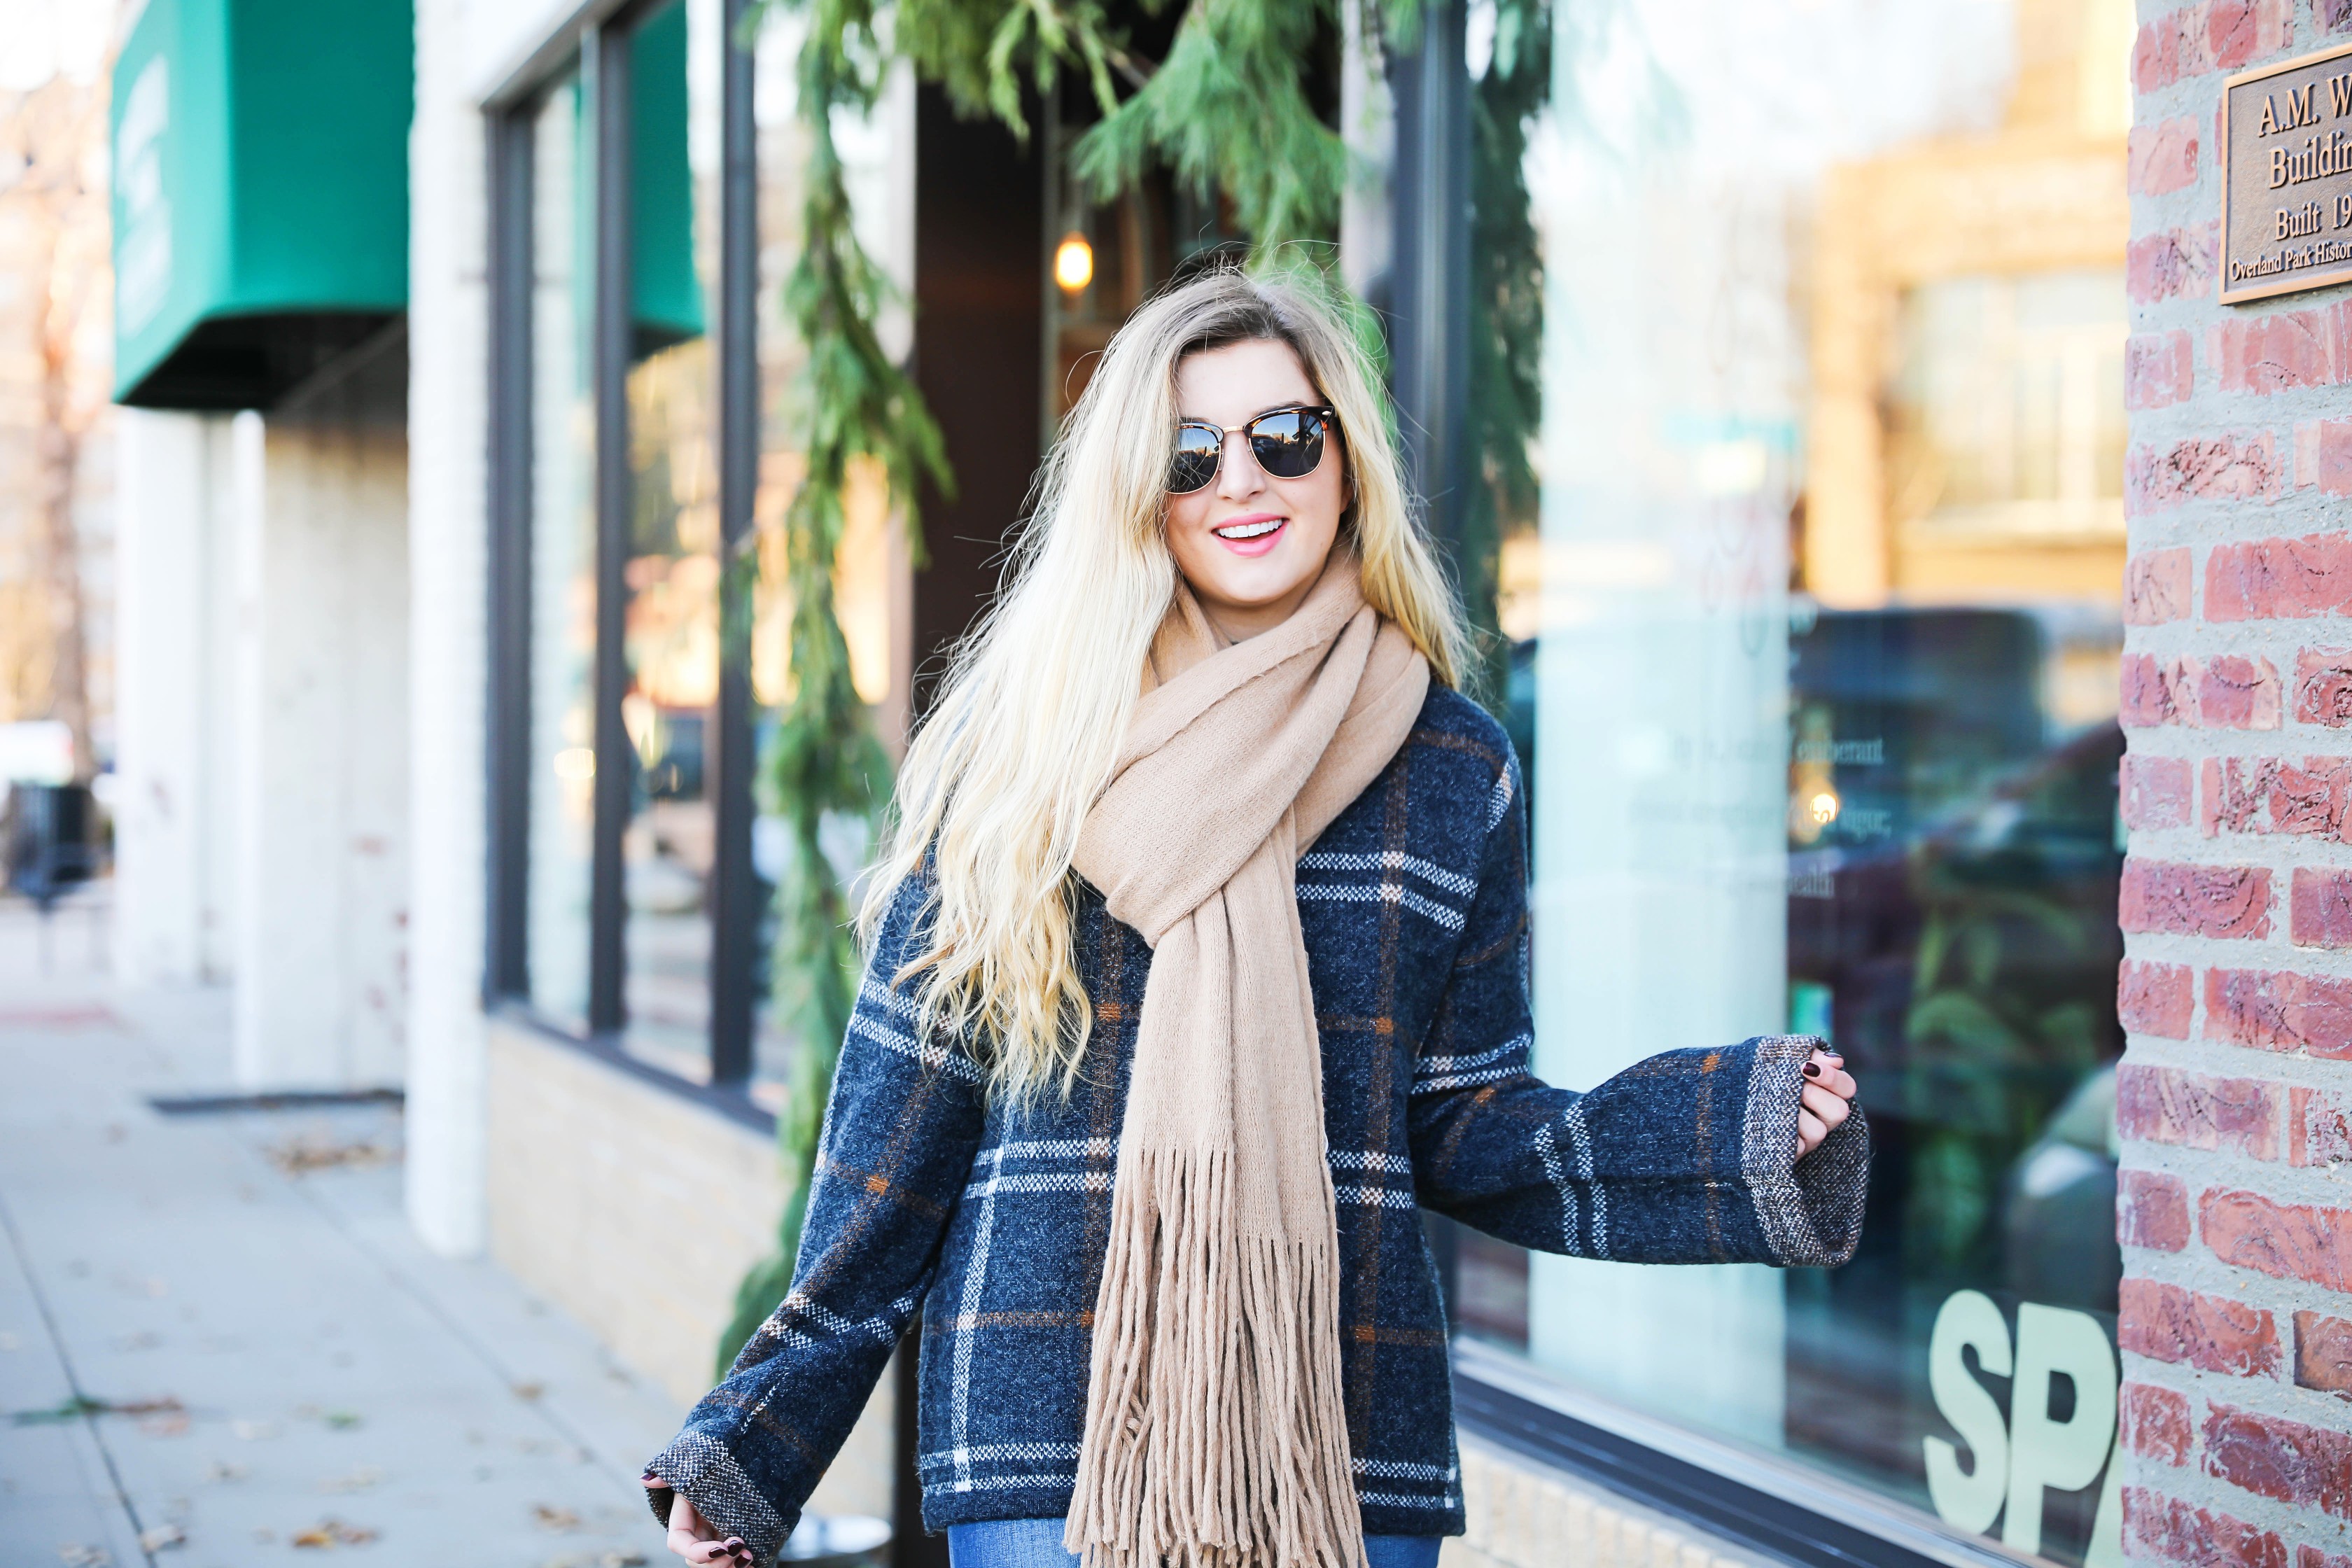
[
  {"x": 900, "y": 1130},
  {"x": 1685, "y": 1157}
]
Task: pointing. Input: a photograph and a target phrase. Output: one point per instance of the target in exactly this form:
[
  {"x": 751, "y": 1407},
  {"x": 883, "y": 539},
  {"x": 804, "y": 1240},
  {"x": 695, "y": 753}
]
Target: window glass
[
  {"x": 872, "y": 580},
  {"x": 672, "y": 573},
  {"x": 1818, "y": 631},
  {"x": 562, "y": 559}
]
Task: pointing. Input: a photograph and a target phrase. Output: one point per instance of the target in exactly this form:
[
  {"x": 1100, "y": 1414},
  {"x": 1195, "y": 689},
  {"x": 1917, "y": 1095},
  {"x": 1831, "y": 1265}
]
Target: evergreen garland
[
  {"x": 1228, "y": 113},
  {"x": 855, "y": 404}
]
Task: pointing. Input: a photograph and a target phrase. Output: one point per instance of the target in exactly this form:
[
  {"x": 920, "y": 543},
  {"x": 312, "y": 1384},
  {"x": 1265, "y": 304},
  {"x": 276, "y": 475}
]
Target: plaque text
[{"x": 2287, "y": 178}]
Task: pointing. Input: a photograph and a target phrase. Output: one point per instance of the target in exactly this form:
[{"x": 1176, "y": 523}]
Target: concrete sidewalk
[{"x": 221, "y": 1346}]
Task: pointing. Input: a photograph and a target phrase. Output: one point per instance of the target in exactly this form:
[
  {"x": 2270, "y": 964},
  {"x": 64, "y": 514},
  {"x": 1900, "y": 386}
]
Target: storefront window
[
  {"x": 1821, "y": 625},
  {"x": 563, "y": 763},
  {"x": 672, "y": 570},
  {"x": 616, "y": 418},
  {"x": 872, "y": 566}
]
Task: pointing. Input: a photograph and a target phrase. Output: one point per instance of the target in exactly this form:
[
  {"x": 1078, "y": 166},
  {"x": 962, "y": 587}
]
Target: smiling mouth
[{"x": 1255, "y": 530}]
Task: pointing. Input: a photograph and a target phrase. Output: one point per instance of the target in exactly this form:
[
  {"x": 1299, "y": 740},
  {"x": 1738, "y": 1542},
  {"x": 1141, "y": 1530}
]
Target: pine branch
[
  {"x": 983, "y": 51},
  {"x": 1227, "y": 112}
]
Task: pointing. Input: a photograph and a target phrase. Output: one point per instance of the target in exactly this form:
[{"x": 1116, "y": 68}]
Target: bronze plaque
[{"x": 2287, "y": 178}]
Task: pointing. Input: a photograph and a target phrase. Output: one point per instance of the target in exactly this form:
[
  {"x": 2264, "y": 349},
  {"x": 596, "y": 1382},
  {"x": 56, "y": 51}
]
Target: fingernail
[{"x": 1812, "y": 1069}]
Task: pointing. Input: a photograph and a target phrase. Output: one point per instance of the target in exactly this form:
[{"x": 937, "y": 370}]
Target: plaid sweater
[{"x": 990, "y": 1224}]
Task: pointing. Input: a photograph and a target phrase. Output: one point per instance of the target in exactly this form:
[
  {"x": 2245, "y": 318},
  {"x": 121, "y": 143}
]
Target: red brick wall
[{"x": 2235, "y": 1097}]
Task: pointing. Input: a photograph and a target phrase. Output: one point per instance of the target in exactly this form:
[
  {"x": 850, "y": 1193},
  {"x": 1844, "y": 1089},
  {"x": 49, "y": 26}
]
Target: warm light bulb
[
  {"x": 1825, "y": 807},
  {"x": 1073, "y": 262}
]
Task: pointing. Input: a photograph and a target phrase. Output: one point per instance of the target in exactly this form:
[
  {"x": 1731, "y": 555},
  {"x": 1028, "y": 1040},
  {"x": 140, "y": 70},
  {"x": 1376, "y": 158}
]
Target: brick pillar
[{"x": 2234, "y": 1212}]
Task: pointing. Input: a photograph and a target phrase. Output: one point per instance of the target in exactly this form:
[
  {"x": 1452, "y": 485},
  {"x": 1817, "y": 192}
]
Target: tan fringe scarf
[{"x": 1215, "y": 1432}]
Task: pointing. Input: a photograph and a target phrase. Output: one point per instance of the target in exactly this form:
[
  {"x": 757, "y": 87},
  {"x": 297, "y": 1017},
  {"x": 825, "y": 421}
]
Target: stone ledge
[
  {"x": 637, "y": 1211},
  {"x": 1524, "y": 1515}
]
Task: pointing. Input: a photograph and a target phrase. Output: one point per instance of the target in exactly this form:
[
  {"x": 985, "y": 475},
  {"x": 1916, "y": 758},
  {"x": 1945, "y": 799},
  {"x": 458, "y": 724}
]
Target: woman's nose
[{"x": 1238, "y": 475}]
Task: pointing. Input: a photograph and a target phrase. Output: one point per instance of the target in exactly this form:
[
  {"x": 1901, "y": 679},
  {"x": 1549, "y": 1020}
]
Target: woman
[{"x": 1199, "y": 961}]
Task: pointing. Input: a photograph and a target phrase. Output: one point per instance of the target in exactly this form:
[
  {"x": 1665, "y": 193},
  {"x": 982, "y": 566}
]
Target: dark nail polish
[{"x": 1812, "y": 1069}]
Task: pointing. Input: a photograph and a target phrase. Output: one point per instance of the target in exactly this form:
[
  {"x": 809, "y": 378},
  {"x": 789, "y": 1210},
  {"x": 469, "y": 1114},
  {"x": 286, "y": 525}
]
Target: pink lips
[{"x": 1260, "y": 544}]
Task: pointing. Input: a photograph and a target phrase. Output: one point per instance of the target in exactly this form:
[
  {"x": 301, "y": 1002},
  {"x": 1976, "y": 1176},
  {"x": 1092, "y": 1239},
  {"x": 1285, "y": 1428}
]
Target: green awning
[
  {"x": 661, "y": 197},
  {"x": 261, "y": 192}
]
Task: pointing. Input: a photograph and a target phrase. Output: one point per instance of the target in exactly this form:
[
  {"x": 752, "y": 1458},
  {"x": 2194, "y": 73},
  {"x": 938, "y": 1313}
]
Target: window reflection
[
  {"x": 2005, "y": 423},
  {"x": 564, "y": 560},
  {"x": 872, "y": 569},
  {"x": 671, "y": 640},
  {"x": 1953, "y": 930},
  {"x": 1816, "y": 656}
]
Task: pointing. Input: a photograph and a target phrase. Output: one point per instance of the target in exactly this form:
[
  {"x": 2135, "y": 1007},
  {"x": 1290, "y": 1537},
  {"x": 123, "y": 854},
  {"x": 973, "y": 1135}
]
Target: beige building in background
[
  {"x": 57, "y": 594},
  {"x": 1966, "y": 431}
]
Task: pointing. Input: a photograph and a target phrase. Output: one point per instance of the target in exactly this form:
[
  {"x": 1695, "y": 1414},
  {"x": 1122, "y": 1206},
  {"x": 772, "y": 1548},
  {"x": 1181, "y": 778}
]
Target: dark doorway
[{"x": 979, "y": 258}]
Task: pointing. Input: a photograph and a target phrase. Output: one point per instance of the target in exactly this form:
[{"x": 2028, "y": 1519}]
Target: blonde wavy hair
[{"x": 1035, "y": 699}]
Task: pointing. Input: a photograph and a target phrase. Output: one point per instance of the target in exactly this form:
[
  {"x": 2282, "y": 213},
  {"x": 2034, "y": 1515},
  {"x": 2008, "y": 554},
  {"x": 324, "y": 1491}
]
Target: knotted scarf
[{"x": 1215, "y": 1432}]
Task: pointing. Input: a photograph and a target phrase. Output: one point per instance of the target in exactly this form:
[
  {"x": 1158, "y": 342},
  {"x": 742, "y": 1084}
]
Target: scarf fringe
[{"x": 1217, "y": 1435}]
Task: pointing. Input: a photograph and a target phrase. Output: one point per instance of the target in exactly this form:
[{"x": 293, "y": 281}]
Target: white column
[
  {"x": 220, "y": 756},
  {"x": 175, "y": 744},
  {"x": 449, "y": 336},
  {"x": 320, "y": 526}
]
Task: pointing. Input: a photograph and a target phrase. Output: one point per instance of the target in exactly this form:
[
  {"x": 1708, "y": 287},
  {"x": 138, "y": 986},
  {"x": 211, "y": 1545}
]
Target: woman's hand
[
  {"x": 1826, "y": 1102},
  {"x": 691, "y": 1537}
]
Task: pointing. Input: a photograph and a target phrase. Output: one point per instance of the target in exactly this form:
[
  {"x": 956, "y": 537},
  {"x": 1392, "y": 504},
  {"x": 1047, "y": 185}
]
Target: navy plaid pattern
[{"x": 1413, "y": 903}]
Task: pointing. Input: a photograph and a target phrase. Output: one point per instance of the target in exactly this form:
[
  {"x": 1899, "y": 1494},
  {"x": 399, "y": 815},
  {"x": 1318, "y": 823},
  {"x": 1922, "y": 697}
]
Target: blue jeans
[{"x": 1037, "y": 1543}]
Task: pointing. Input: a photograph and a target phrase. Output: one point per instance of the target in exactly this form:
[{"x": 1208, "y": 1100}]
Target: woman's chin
[
  {"x": 1251, "y": 591},
  {"x": 1256, "y": 582}
]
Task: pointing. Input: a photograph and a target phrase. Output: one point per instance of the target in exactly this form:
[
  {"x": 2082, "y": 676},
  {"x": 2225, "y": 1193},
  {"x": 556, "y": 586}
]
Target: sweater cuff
[
  {"x": 702, "y": 1468},
  {"x": 1810, "y": 1209}
]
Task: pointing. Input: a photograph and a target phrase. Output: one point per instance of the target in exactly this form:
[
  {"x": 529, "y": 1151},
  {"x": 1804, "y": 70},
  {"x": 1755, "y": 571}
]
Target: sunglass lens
[
  {"x": 1288, "y": 445},
  {"x": 1195, "y": 462}
]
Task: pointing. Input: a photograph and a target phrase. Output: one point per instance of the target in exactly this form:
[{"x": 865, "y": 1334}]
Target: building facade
[{"x": 1916, "y": 626}]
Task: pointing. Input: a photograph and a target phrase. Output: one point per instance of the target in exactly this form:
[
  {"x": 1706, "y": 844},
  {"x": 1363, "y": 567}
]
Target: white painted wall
[
  {"x": 458, "y": 48},
  {"x": 321, "y": 525},
  {"x": 173, "y": 819}
]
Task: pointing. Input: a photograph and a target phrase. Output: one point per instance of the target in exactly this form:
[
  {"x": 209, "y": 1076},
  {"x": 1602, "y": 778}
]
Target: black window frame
[{"x": 596, "y": 42}]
